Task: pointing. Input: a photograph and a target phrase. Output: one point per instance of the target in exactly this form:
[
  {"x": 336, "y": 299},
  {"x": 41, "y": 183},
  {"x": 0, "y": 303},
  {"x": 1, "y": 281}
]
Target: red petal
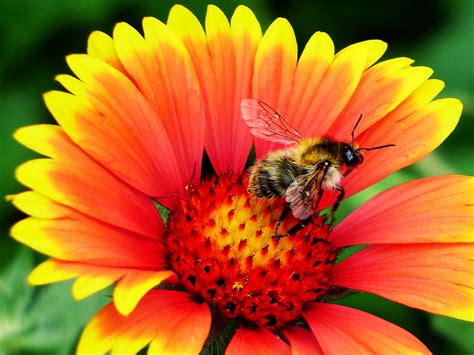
[
  {"x": 256, "y": 341},
  {"x": 275, "y": 64},
  {"x": 134, "y": 143},
  {"x": 437, "y": 278},
  {"x": 231, "y": 56},
  {"x": 82, "y": 239},
  {"x": 316, "y": 58},
  {"x": 343, "y": 330},
  {"x": 429, "y": 210},
  {"x": 339, "y": 84},
  {"x": 162, "y": 69},
  {"x": 223, "y": 59},
  {"x": 170, "y": 320},
  {"x": 381, "y": 89},
  {"x": 73, "y": 179},
  {"x": 414, "y": 135},
  {"x": 302, "y": 341}
]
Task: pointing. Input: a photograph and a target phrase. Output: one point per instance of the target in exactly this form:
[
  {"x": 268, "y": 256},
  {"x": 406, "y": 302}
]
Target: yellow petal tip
[
  {"x": 213, "y": 8},
  {"x": 71, "y": 59},
  {"x": 179, "y": 7},
  {"x": 243, "y": 8}
]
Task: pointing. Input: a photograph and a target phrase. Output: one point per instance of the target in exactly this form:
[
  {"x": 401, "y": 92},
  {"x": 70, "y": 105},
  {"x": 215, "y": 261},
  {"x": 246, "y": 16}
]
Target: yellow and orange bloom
[{"x": 133, "y": 126}]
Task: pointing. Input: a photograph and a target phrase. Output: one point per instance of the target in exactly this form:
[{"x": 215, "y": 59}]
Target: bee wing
[
  {"x": 299, "y": 200},
  {"x": 302, "y": 195},
  {"x": 266, "y": 123}
]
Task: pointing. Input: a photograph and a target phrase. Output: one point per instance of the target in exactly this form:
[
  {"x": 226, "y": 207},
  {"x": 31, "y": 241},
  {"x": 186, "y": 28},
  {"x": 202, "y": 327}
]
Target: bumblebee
[{"x": 305, "y": 169}]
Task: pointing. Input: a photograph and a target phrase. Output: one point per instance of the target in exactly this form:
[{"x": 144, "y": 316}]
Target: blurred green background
[{"x": 38, "y": 34}]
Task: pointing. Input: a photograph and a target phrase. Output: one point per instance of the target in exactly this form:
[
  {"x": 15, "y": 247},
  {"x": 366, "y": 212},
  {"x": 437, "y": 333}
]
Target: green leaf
[
  {"x": 460, "y": 333},
  {"x": 15, "y": 296},
  {"x": 162, "y": 210},
  {"x": 40, "y": 319}
]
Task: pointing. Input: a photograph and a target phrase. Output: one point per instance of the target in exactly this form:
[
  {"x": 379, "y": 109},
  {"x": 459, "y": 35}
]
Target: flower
[{"x": 132, "y": 130}]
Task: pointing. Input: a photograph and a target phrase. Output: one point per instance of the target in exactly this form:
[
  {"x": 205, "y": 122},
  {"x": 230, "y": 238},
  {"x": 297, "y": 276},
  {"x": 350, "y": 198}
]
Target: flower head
[{"x": 133, "y": 126}]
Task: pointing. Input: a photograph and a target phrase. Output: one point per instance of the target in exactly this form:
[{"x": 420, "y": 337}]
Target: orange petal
[
  {"x": 275, "y": 64},
  {"x": 322, "y": 84},
  {"x": 133, "y": 144},
  {"x": 181, "y": 95},
  {"x": 415, "y": 136},
  {"x": 437, "y": 278},
  {"x": 246, "y": 35},
  {"x": 187, "y": 28},
  {"x": 162, "y": 69},
  {"x": 312, "y": 65},
  {"x": 183, "y": 326},
  {"x": 302, "y": 341},
  {"x": 232, "y": 50},
  {"x": 73, "y": 179},
  {"x": 86, "y": 191},
  {"x": 83, "y": 239},
  {"x": 343, "y": 330},
  {"x": 335, "y": 89},
  {"x": 381, "y": 89},
  {"x": 223, "y": 59},
  {"x": 256, "y": 341},
  {"x": 419, "y": 98},
  {"x": 429, "y": 210}
]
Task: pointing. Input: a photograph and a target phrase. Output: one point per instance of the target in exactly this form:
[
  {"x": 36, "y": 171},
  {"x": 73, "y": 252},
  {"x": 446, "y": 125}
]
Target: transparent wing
[
  {"x": 299, "y": 200},
  {"x": 266, "y": 123},
  {"x": 304, "y": 194}
]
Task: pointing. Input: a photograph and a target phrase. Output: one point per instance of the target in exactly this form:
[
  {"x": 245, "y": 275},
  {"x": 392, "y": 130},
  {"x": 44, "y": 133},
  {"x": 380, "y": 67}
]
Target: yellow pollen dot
[{"x": 237, "y": 286}]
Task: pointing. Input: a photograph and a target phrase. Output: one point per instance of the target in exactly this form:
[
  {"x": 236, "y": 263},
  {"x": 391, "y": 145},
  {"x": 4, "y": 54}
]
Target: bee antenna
[
  {"x": 355, "y": 127},
  {"x": 378, "y": 147}
]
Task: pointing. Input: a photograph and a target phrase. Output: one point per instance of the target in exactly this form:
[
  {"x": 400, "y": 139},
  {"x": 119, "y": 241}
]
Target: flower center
[{"x": 248, "y": 257}]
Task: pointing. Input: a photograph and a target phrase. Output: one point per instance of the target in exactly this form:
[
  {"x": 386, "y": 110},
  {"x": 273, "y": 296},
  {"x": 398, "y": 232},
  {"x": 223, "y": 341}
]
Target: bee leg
[
  {"x": 292, "y": 230},
  {"x": 340, "y": 197},
  {"x": 297, "y": 227},
  {"x": 318, "y": 199},
  {"x": 282, "y": 216},
  {"x": 320, "y": 189}
]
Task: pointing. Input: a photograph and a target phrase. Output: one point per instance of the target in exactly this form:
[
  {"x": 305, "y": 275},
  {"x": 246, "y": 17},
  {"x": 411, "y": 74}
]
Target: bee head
[{"x": 351, "y": 156}]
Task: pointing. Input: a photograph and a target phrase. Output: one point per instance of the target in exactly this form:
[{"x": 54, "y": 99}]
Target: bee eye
[{"x": 351, "y": 158}]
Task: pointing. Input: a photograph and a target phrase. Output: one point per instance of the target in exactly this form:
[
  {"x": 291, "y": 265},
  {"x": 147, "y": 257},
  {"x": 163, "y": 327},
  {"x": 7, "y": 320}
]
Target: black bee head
[{"x": 351, "y": 156}]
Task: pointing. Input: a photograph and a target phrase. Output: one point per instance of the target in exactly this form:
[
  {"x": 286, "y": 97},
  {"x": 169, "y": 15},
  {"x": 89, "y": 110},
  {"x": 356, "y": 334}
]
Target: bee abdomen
[{"x": 266, "y": 181}]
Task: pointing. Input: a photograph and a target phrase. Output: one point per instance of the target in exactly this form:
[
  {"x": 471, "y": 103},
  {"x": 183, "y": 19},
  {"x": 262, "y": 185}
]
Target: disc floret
[{"x": 245, "y": 256}]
